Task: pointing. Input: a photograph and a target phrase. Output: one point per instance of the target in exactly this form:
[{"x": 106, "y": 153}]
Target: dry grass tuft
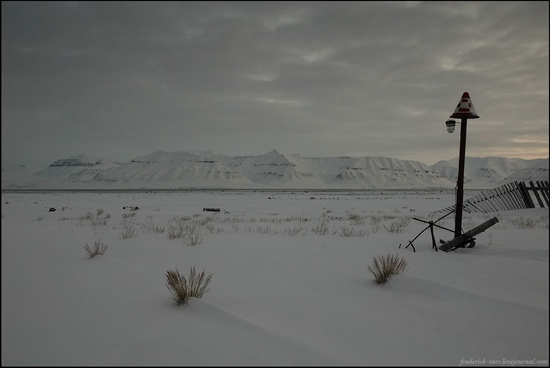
[
  {"x": 182, "y": 288},
  {"x": 98, "y": 249},
  {"x": 384, "y": 267}
]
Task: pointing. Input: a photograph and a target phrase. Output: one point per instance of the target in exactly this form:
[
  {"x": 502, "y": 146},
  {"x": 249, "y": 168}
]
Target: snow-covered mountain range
[{"x": 272, "y": 170}]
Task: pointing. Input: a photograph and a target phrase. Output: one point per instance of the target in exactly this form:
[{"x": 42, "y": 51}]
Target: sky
[
  {"x": 116, "y": 80},
  {"x": 287, "y": 287}
]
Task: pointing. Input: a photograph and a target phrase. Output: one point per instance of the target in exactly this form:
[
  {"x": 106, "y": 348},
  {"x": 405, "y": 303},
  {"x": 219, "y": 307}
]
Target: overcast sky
[{"x": 115, "y": 80}]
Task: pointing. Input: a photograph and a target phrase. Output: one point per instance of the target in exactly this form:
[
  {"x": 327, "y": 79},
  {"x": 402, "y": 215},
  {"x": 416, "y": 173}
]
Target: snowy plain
[{"x": 282, "y": 292}]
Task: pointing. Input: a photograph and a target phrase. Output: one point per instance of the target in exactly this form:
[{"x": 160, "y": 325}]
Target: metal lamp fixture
[{"x": 450, "y": 125}]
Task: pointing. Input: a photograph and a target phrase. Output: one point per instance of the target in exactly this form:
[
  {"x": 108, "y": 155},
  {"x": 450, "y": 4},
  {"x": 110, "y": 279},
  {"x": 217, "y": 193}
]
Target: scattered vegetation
[
  {"x": 321, "y": 228},
  {"x": 182, "y": 288},
  {"x": 190, "y": 230},
  {"x": 102, "y": 221},
  {"x": 384, "y": 267},
  {"x": 292, "y": 231},
  {"x": 264, "y": 230},
  {"x": 193, "y": 234},
  {"x": 152, "y": 227},
  {"x": 347, "y": 231},
  {"x": 98, "y": 249},
  {"x": 129, "y": 214},
  {"x": 355, "y": 219},
  {"x": 524, "y": 222},
  {"x": 398, "y": 226},
  {"x": 87, "y": 216},
  {"x": 129, "y": 231}
]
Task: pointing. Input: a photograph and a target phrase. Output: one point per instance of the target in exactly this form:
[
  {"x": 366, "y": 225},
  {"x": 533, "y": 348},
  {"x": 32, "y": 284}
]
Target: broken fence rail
[{"x": 468, "y": 236}]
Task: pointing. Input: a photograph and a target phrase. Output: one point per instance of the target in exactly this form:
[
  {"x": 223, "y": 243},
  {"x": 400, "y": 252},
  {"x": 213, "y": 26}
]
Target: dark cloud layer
[{"x": 120, "y": 79}]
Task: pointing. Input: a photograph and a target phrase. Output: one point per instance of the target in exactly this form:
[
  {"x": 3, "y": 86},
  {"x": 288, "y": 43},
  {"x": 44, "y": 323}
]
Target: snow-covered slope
[
  {"x": 17, "y": 175},
  {"x": 538, "y": 172},
  {"x": 70, "y": 172},
  {"x": 173, "y": 170},
  {"x": 276, "y": 170},
  {"x": 481, "y": 172},
  {"x": 207, "y": 169},
  {"x": 383, "y": 172}
]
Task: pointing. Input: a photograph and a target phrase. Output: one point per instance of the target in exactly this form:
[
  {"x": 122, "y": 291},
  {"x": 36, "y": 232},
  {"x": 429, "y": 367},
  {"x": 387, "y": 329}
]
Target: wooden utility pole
[
  {"x": 464, "y": 110},
  {"x": 460, "y": 180}
]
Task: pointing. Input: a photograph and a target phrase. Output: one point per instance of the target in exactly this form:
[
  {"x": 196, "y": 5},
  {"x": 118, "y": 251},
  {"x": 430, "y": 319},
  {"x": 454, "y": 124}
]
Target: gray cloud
[{"x": 120, "y": 79}]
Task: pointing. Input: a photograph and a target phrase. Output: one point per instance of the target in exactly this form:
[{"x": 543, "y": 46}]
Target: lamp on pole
[{"x": 464, "y": 110}]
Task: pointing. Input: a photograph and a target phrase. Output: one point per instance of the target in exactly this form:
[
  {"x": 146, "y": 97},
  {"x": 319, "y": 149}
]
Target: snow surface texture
[
  {"x": 186, "y": 170},
  {"x": 280, "y": 294}
]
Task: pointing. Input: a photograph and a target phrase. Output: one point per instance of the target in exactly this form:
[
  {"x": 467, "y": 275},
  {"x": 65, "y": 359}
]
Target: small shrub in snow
[
  {"x": 398, "y": 226},
  {"x": 355, "y": 219},
  {"x": 152, "y": 227},
  {"x": 321, "y": 228},
  {"x": 98, "y": 249},
  {"x": 99, "y": 222},
  {"x": 374, "y": 219},
  {"x": 87, "y": 216},
  {"x": 291, "y": 231},
  {"x": 129, "y": 232},
  {"x": 346, "y": 231},
  {"x": 182, "y": 288},
  {"x": 524, "y": 222},
  {"x": 129, "y": 214},
  {"x": 265, "y": 229},
  {"x": 193, "y": 234},
  {"x": 174, "y": 233},
  {"x": 383, "y": 267}
]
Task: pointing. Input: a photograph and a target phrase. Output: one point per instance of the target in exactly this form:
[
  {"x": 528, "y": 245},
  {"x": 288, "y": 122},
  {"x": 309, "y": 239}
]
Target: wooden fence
[{"x": 511, "y": 196}]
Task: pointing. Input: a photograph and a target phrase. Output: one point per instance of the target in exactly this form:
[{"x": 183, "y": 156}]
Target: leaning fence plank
[
  {"x": 469, "y": 205},
  {"x": 492, "y": 200},
  {"x": 483, "y": 202},
  {"x": 466, "y": 206},
  {"x": 523, "y": 192},
  {"x": 535, "y": 191},
  {"x": 489, "y": 201},
  {"x": 544, "y": 191},
  {"x": 517, "y": 195},
  {"x": 500, "y": 200},
  {"x": 513, "y": 195},
  {"x": 504, "y": 198},
  {"x": 477, "y": 206},
  {"x": 527, "y": 195}
]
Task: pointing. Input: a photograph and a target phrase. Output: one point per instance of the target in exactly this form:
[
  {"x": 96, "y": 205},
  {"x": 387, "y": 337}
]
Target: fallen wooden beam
[{"x": 468, "y": 236}]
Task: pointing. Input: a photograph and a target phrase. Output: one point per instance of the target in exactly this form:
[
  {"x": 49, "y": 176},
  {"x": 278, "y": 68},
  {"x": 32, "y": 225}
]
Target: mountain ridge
[{"x": 271, "y": 170}]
